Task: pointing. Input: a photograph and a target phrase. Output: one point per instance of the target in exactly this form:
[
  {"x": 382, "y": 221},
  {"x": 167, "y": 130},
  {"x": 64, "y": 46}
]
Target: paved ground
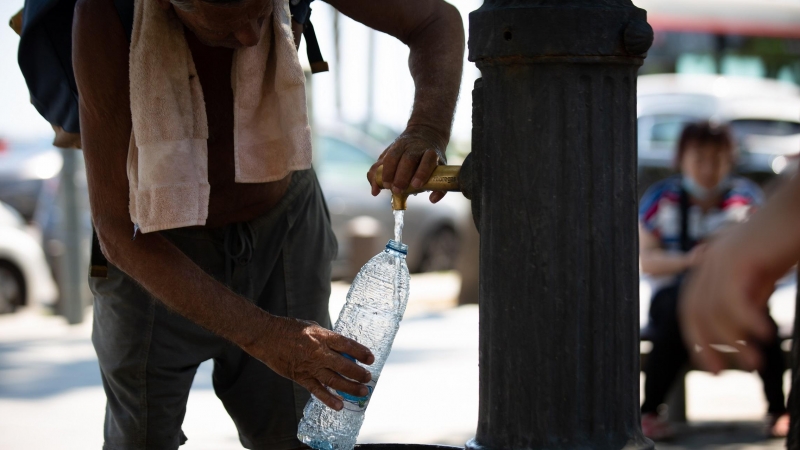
[{"x": 51, "y": 396}]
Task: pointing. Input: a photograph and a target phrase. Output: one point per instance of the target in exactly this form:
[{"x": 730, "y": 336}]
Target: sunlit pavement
[{"x": 51, "y": 396}]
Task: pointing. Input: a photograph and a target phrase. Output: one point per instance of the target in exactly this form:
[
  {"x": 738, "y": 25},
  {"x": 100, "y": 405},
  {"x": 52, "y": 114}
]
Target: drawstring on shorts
[{"x": 238, "y": 246}]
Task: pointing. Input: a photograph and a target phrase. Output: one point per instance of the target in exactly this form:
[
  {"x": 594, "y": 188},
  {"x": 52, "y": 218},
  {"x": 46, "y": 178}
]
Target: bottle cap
[{"x": 397, "y": 246}]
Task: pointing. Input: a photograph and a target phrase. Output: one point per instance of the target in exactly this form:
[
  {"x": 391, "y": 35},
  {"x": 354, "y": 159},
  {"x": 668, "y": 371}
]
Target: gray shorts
[{"x": 149, "y": 355}]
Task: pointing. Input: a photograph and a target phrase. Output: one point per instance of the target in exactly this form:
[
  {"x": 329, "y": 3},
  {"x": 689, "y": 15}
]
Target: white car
[
  {"x": 25, "y": 277},
  {"x": 764, "y": 116}
]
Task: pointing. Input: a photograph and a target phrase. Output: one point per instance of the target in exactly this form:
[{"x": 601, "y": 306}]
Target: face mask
[{"x": 700, "y": 192}]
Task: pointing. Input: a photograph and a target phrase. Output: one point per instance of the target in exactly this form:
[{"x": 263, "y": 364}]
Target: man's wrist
[
  {"x": 257, "y": 327},
  {"x": 437, "y": 138}
]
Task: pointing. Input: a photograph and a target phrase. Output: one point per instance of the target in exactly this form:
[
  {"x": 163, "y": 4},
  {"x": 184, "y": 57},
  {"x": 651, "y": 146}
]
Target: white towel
[{"x": 168, "y": 155}]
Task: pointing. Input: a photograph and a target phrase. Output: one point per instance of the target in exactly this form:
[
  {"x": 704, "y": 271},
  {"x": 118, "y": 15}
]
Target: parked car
[
  {"x": 25, "y": 278},
  {"x": 764, "y": 116},
  {"x": 24, "y": 167},
  {"x": 343, "y": 157}
]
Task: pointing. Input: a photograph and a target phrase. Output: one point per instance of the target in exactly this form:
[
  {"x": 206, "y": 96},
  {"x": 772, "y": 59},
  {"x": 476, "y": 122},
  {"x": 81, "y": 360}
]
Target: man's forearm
[
  {"x": 435, "y": 35},
  {"x": 434, "y": 32},
  {"x": 435, "y": 62},
  {"x": 180, "y": 284}
]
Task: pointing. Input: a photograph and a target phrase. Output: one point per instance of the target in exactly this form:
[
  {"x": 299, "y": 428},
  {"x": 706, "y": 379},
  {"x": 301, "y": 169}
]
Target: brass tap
[{"x": 444, "y": 178}]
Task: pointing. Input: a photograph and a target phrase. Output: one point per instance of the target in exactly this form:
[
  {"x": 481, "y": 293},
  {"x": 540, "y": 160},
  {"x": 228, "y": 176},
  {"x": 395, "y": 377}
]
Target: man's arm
[
  {"x": 724, "y": 300},
  {"x": 434, "y": 32},
  {"x": 299, "y": 350}
]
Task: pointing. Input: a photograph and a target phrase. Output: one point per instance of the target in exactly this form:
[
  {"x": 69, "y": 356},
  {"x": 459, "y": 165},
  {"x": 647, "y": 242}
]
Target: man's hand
[
  {"x": 311, "y": 356},
  {"x": 410, "y": 160}
]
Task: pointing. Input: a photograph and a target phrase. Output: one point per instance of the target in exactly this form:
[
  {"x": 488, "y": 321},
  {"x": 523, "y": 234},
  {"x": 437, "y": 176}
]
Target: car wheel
[
  {"x": 441, "y": 251},
  {"x": 12, "y": 287}
]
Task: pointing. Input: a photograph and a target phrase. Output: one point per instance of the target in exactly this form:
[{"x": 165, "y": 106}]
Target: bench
[{"x": 676, "y": 398}]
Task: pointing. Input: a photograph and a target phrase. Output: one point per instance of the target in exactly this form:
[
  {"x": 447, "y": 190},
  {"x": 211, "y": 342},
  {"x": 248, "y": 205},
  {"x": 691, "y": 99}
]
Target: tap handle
[{"x": 443, "y": 178}]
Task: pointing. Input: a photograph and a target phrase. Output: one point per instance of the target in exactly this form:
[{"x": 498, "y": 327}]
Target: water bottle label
[{"x": 357, "y": 404}]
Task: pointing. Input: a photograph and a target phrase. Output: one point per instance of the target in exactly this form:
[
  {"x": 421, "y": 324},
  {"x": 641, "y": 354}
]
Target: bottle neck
[{"x": 397, "y": 248}]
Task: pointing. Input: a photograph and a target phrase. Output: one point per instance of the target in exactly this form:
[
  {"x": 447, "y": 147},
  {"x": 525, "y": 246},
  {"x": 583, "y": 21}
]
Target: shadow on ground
[
  {"x": 699, "y": 435},
  {"x": 722, "y": 435},
  {"x": 455, "y": 440},
  {"x": 66, "y": 364},
  {"x": 34, "y": 377}
]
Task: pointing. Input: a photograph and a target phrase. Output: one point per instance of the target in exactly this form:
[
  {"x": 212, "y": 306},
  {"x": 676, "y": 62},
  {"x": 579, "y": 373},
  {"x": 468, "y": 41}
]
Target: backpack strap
[
  {"x": 315, "y": 59},
  {"x": 16, "y": 22},
  {"x": 685, "y": 241},
  {"x": 301, "y": 13}
]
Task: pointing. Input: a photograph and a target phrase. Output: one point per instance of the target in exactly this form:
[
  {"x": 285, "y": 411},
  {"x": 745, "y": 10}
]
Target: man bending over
[{"x": 217, "y": 235}]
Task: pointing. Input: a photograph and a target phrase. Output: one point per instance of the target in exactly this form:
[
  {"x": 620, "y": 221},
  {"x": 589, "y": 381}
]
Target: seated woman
[{"x": 676, "y": 216}]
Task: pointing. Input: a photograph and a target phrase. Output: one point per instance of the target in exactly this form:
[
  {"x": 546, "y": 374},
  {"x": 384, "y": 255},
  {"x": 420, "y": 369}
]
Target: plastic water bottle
[{"x": 375, "y": 305}]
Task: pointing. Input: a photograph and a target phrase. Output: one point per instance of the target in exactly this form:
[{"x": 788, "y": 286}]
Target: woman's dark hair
[{"x": 705, "y": 134}]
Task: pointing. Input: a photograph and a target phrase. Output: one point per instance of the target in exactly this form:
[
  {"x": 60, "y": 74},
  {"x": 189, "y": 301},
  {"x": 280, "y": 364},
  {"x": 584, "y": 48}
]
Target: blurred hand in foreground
[
  {"x": 696, "y": 255},
  {"x": 725, "y": 300}
]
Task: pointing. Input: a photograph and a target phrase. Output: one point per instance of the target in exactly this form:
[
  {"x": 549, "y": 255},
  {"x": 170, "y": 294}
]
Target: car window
[
  {"x": 341, "y": 161},
  {"x": 665, "y": 129},
  {"x": 764, "y": 127}
]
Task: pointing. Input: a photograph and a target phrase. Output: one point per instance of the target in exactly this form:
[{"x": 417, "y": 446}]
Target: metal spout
[{"x": 444, "y": 178}]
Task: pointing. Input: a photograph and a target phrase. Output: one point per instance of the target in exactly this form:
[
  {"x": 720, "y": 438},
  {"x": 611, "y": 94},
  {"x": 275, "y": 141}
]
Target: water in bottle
[{"x": 375, "y": 305}]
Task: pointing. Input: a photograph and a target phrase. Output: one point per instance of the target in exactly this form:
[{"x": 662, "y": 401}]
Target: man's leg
[
  {"x": 148, "y": 357},
  {"x": 260, "y": 402}
]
